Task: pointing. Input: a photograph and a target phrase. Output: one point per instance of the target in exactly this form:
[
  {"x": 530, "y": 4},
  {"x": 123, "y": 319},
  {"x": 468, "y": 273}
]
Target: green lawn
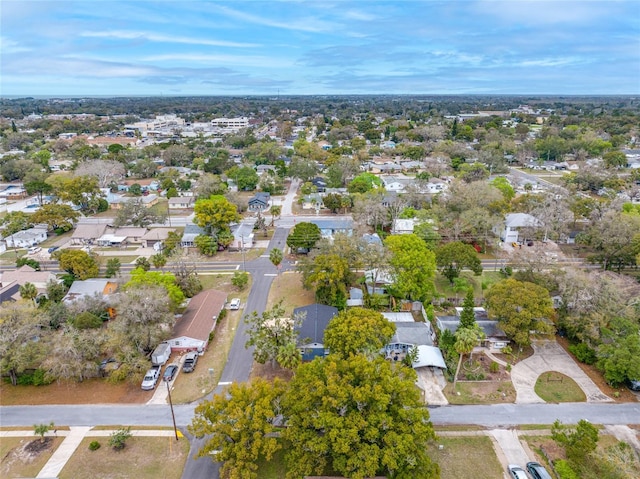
[
  {"x": 553, "y": 386},
  {"x": 142, "y": 458},
  {"x": 462, "y": 457}
]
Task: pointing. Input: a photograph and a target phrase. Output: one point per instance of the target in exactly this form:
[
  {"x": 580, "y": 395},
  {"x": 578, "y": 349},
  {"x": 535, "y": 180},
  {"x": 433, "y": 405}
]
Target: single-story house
[
  {"x": 403, "y": 226},
  {"x": 410, "y": 334},
  {"x": 396, "y": 183},
  {"x": 311, "y": 321},
  {"x": 320, "y": 184},
  {"x": 90, "y": 287},
  {"x": 331, "y": 226},
  {"x": 26, "y": 274},
  {"x": 513, "y": 224},
  {"x": 116, "y": 202},
  {"x": 155, "y": 236},
  {"x": 191, "y": 331},
  {"x": 265, "y": 169},
  {"x": 26, "y": 238},
  {"x": 312, "y": 201},
  {"x": 259, "y": 202},
  {"x": 242, "y": 237},
  {"x": 189, "y": 235},
  {"x": 88, "y": 233},
  {"x": 181, "y": 202},
  {"x": 495, "y": 338},
  {"x": 14, "y": 192}
]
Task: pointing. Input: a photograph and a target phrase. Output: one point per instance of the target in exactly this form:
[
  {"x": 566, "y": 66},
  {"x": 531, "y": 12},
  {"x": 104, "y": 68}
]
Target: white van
[{"x": 235, "y": 303}]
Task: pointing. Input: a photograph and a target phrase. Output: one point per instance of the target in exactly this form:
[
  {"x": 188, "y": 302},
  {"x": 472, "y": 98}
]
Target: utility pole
[
  {"x": 173, "y": 416},
  {"x": 244, "y": 266}
]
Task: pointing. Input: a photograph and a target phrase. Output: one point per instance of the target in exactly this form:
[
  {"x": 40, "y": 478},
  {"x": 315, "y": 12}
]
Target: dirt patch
[
  {"x": 268, "y": 372},
  {"x": 620, "y": 395},
  {"x": 91, "y": 391},
  {"x": 25, "y": 457},
  {"x": 288, "y": 288},
  {"x": 481, "y": 369},
  {"x": 480, "y": 392},
  {"x": 36, "y": 447}
]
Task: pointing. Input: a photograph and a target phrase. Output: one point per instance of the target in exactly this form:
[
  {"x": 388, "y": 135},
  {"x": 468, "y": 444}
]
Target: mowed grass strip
[
  {"x": 462, "y": 457},
  {"x": 142, "y": 458},
  {"x": 553, "y": 386}
]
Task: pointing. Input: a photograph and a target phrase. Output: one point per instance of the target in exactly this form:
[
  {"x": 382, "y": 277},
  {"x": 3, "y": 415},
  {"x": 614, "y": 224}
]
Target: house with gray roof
[
  {"x": 189, "y": 235},
  {"x": 311, "y": 321},
  {"x": 90, "y": 287},
  {"x": 87, "y": 233},
  {"x": 495, "y": 338},
  {"x": 514, "y": 224},
  {"x": 26, "y": 238}
]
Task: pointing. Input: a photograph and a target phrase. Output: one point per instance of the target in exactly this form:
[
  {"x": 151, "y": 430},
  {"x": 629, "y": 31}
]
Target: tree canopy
[
  {"x": 78, "y": 263},
  {"x": 454, "y": 257},
  {"x": 358, "y": 331},
  {"x": 270, "y": 333},
  {"x": 215, "y": 214},
  {"x": 520, "y": 307},
  {"x": 359, "y": 417},
  {"x": 413, "y": 267},
  {"x": 241, "y": 426},
  {"x": 304, "y": 235}
]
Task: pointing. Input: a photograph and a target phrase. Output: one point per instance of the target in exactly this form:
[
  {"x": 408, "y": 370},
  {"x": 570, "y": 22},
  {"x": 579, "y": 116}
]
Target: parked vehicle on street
[
  {"x": 537, "y": 471},
  {"x": 634, "y": 384},
  {"x": 190, "y": 361},
  {"x": 150, "y": 379},
  {"x": 235, "y": 303},
  {"x": 52, "y": 249},
  {"x": 170, "y": 372},
  {"x": 34, "y": 249},
  {"x": 517, "y": 472}
]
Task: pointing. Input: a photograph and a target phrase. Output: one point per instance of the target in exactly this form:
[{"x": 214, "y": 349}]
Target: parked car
[
  {"x": 34, "y": 249},
  {"x": 52, "y": 249},
  {"x": 537, "y": 471},
  {"x": 517, "y": 472},
  {"x": 150, "y": 379},
  {"x": 634, "y": 384},
  {"x": 235, "y": 303},
  {"x": 170, "y": 372},
  {"x": 190, "y": 362}
]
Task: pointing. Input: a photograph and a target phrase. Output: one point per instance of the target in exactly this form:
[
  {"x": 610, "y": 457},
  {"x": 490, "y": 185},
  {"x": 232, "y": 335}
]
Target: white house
[
  {"x": 513, "y": 223},
  {"x": 26, "y": 238}
]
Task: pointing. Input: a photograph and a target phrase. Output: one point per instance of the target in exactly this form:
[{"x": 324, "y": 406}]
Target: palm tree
[
  {"x": 276, "y": 211},
  {"x": 466, "y": 340},
  {"x": 28, "y": 291},
  {"x": 275, "y": 256},
  {"x": 288, "y": 356},
  {"x": 158, "y": 260}
]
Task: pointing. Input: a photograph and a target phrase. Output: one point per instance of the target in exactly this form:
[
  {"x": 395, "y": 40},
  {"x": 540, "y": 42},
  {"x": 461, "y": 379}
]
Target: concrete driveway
[{"x": 550, "y": 356}]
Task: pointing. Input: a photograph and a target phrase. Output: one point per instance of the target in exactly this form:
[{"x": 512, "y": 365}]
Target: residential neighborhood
[{"x": 479, "y": 253}]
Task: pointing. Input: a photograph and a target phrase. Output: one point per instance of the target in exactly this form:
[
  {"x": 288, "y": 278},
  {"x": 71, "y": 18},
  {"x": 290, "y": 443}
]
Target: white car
[
  {"x": 150, "y": 379},
  {"x": 235, "y": 303},
  {"x": 34, "y": 249}
]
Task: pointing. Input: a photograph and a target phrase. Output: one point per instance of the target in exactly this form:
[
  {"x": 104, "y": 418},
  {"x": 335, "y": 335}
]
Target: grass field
[
  {"x": 462, "y": 457},
  {"x": 142, "y": 458},
  {"x": 553, "y": 386},
  {"x": 288, "y": 288}
]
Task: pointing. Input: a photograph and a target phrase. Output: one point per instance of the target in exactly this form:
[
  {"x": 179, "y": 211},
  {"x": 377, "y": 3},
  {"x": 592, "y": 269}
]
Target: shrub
[
  {"x": 475, "y": 376},
  {"x": 494, "y": 367},
  {"x": 118, "y": 438},
  {"x": 35, "y": 378},
  {"x": 564, "y": 470},
  {"x": 87, "y": 320},
  {"x": 240, "y": 280},
  {"x": 583, "y": 353},
  {"x": 42, "y": 429},
  {"x": 94, "y": 445}
]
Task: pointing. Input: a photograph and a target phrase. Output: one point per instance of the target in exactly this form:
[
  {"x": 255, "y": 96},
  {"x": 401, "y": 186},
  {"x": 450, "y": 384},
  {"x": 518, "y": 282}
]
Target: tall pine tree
[{"x": 468, "y": 317}]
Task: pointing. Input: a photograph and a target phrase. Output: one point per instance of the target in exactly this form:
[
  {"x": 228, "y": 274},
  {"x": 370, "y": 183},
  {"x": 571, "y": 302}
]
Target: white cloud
[
  {"x": 155, "y": 37},
  {"x": 313, "y": 25},
  {"x": 9, "y": 46},
  {"x": 245, "y": 60}
]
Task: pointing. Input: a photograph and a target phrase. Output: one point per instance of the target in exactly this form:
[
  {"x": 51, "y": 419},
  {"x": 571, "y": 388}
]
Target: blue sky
[{"x": 102, "y": 47}]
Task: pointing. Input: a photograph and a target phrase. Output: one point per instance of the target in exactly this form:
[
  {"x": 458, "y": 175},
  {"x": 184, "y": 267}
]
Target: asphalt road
[
  {"x": 240, "y": 359},
  {"x": 495, "y": 416}
]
